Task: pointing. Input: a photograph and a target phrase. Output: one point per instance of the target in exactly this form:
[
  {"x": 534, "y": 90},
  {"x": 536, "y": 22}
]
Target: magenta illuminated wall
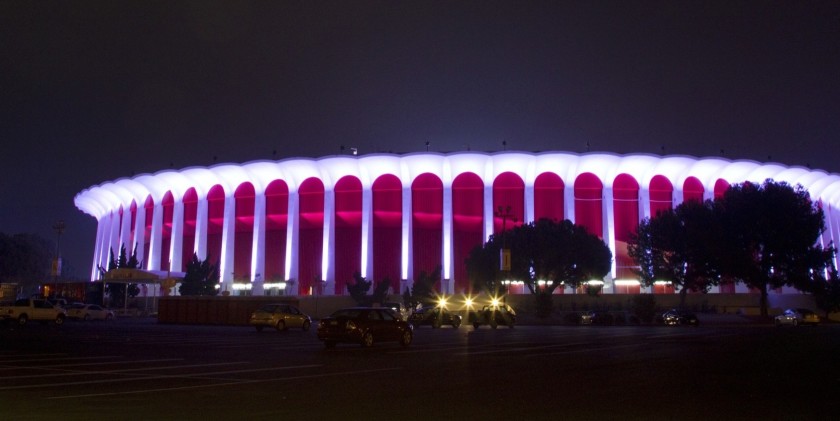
[{"x": 308, "y": 224}]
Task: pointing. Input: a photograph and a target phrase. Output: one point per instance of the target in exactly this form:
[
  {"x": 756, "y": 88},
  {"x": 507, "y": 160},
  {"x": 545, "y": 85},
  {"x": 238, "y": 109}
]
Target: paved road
[{"x": 137, "y": 369}]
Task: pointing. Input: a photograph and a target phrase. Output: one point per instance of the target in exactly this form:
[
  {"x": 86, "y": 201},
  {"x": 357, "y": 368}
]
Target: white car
[{"x": 89, "y": 312}]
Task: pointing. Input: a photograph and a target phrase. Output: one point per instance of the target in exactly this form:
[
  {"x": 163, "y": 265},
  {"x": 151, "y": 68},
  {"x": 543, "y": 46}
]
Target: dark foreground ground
[{"x": 136, "y": 369}]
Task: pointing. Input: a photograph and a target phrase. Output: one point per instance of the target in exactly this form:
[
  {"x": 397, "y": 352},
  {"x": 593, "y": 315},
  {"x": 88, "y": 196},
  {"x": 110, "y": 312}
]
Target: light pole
[
  {"x": 504, "y": 253},
  {"x": 59, "y": 229}
]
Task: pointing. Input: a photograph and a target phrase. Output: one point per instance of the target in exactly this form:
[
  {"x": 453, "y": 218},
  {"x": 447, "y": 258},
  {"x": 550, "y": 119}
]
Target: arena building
[{"x": 304, "y": 226}]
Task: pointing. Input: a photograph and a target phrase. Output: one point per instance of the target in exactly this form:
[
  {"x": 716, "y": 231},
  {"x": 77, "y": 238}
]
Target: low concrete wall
[{"x": 236, "y": 310}]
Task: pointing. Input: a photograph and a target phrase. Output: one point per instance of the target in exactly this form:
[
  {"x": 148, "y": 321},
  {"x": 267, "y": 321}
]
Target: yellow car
[{"x": 280, "y": 317}]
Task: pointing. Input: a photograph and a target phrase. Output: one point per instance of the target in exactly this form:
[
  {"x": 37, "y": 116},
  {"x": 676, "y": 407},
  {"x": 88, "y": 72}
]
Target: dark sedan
[
  {"x": 677, "y": 317},
  {"x": 365, "y": 326},
  {"x": 434, "y": 316}
]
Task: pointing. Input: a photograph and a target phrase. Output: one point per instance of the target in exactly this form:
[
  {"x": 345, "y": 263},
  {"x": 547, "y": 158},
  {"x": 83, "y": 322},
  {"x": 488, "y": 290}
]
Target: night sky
[{"x": 100, "y": 90}]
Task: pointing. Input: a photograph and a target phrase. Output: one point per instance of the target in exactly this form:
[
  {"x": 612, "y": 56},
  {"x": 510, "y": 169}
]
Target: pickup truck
[{"x": 27, "y": 309}]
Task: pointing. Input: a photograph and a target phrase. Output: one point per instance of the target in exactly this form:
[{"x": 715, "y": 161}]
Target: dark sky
[{"x": 99, "y": 90}]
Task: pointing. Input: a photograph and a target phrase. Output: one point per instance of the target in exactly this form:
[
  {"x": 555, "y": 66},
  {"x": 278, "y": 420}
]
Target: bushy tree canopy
[
  {"x": 24, "y": 259},
  {"x": 201, "y": 278},
  {"x": 764, "y": 235},
  {"x": 678, "y": 246}
]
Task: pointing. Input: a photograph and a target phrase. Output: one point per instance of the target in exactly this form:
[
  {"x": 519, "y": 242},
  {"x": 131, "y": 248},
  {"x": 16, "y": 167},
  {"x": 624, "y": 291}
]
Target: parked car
[
  {"x": 494, "y": 315},
  {"x": 797, "y": 316},
  {"x": 365, "y": 326},
  {"x": 594, "y": 317},
  {"x": 81, "y": 311},
  {"x": 279, "y": 316},
  {"x": 398, "y": 308},
  {"x": 676, "y": 317},
  {"x": 435, "y": 316}
]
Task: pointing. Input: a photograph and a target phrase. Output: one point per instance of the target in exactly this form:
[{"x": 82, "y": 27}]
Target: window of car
[
  {"x": 374, "y": 315},
  {"x": 387, "y": 315}
]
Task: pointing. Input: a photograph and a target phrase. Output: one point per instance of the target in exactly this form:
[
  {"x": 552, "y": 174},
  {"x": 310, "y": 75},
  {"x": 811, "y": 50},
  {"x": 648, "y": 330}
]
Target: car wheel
[
  {"x": 405, "y": 339},
  {"x": 23, "y": 319},
  {"x": 494, "y": 325},
  {"x": 281, "y": 325},
  {"x": 306, "y": 325},
  {"x": 59, "y": 320},
  {"x": 87, "y": 317},
  {"x": 367, "y": 340},
  {"x": 795, "y": 322},
  {"x": 259, "y": 328},
  {"x": 329, "y": 344}
]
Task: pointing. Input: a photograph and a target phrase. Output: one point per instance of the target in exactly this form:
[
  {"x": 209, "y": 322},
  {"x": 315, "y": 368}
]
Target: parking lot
[{"x": 138, "y": 369}]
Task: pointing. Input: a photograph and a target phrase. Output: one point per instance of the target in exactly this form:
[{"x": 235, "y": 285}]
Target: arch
[
  {"x": 168, "y": 203},
  {"x": 348, "y": 230},
  {"x": 588, "y": 203},
  {"x": 149, "y": 209},
  {"x": 721, "y": 186},
  {"x": 426, "y": 223},
  {"x": 508, "y": 191},
  {"x": 626, "y": 218},
  {"x": 387, "y": 229},
  {"x": 243, "y": 236},
  {"x": 190, "y": 202},
  {"x": 467, "y": 224},
  {"x": 548, "y": 197},
  {"x": 276, "y": 221},
  {"x": 693, "y": 190},
  {"x": 129, "y": 244},
  {"x": 215, "y": 224},
  {"x": 661, "y": 194},
  {"x": 311, "y": 235}
]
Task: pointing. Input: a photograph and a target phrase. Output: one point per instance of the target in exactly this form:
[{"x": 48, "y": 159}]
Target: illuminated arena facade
[{"x": 304, "y": 226}]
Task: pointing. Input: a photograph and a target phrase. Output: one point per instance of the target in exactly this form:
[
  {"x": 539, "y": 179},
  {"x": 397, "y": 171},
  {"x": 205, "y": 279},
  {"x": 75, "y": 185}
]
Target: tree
[
  {"x": 200, "y": 278},
  {"x": 827, "y": 293},
  {"x": 358, "y": 290},
  {"x": 24, "y": 259},
  {"x": 678, "y": 246},
  {"x": 118, "y": 291},
  {"x": 545, "y": 255},
  {"x": 770, "y": 237},
  {"x": 423, "y": 291}
]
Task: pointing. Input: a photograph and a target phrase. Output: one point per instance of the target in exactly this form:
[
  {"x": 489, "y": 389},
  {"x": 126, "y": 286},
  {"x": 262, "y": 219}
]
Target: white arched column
[
  {"x": 367, "y": 232},
  {"x": 153, "y": 261},
  {"x": 201, "y": 228},
  {"x": 177, "y": 239},
  {"x": 406, "y": 256},
  {"x": 292, "y": 241},
  {"x": 258, "y": 246},
  {"x": 328, "y": 244},
  {"x": 228, "y": 236},
  {"x": 448, "y": 252},
  {"x": 608, "y": 221}
]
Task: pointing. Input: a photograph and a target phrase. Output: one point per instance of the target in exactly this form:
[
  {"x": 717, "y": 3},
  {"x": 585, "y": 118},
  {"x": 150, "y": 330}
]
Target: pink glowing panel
[
  {"x": 588, "y": 203},
  {"x": 427, "y": 223},
  {"x": 508, "y": 192},
  {"x": 276, "y": 220},
  {"x": 468, "y": 224},
  {"x": 243, "y": 239},
  {"x": 548, "y": 197},
  {"x": 311, "y": 238},
  {"x": 387, "y": 229},
  {"x": 693, "y": 190},
  {"x": 348, "y": 231},
  {"x": 661, "y": 195}
]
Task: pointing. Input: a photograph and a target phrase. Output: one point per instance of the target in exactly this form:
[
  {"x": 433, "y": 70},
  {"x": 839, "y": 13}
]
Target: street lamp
[
  {"x": 59, "y": 229},
  {"x": 504, "y": 253}
]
